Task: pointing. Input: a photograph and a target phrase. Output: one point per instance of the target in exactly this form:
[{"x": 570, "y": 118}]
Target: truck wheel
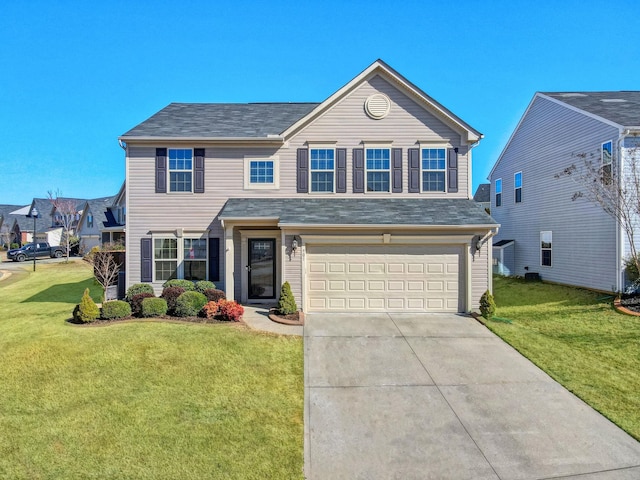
[
  {"x": 21, "y": 258},
  {"x": 58, "y": 254}
]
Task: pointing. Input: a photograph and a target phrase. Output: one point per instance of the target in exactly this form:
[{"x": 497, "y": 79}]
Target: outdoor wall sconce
[{"x": 294, "y": 245}]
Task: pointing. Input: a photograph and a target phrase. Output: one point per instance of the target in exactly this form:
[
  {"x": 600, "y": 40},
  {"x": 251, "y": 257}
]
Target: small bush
[
  {"x": 213, "y": 295},
  {"x": 631, "y": 269},
  {"x": 115, "y": 309},
  {"x": 136, "y": 303},
  {"x": 13, "y": 246},
  {"x": 203, "y": 285},
  {"x": 176, "y": 282},
  {"x": 487, "y": 305},
  {"x": 153, "y": 307},
  {"x": 286, "y": 302},
  {"x": 230, "y": 310},
  {"x": 210, "y": 310},
  {"x": 136, "y": 289},
  {"x": 189, "y": 304},
  {"x": 171, "y": 294},
  {"x": 87, "y": 310}
]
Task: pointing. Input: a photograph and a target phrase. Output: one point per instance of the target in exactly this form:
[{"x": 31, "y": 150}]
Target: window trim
[
  {"x": 154, "y": 259},
  {"x": 375, "y": 146},
  {"x": 261, "y": 186},
  {"x": 516, "y": 188},
  {"x": 169, "y": 170},
  {"x": 180, "y": 253},
  {"x": 549, "y": 249},
  {"x": 435, "y": 146},
  {"x": 498, "y": 192},
  {"x": 311, "y": 170}
]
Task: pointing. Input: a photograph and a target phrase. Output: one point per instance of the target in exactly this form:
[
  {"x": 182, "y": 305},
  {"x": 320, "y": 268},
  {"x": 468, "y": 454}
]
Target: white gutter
[{"x": 387, "y": 226}]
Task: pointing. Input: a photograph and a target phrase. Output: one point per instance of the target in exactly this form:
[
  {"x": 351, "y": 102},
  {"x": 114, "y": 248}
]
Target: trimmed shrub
[
  {"x": 153, "y": 307},
  {"x": 189, "y": 304},
  {"x": 115, "y": 309},
  {"x": 487, "y": 305},
  {"x": 136, "y": 303},
  {"x": 286, "y": 302},
  {"x": 87, "y": 310},
  {"x": 213, "y": 294},
  {"x": 171, "y": 294},
  {"x": 210, "y": 310},
  {"x": 136, "y": 289},
  {"x": 203, "y": 285},
  {"x": 177, "y": 282},
  {"x": 230, "y": 310}
]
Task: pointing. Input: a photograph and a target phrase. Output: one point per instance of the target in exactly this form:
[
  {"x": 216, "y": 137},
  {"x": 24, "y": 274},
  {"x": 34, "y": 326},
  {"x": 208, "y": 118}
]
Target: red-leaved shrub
[
  {"x": 171, "y": 294},
  {"x": 210, "y": 310},
  {"x": 136, "y": 303},
  {"x": 230, "y": 310}
]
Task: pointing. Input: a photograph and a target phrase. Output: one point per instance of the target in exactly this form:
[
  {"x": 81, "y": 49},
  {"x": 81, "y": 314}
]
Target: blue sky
[{"x": 76, "y": 75}]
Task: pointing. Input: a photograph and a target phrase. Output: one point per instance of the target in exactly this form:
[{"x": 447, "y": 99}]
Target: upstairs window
[
  {"x": 498, "y": 192},
  {"x": 322, "y": 169},
  {"x": 180, "y": 170},
  {"x": 607, "y": 157},
  {"x": 260, "y": 173},
  {"x": 434, "y": 166},
  {"x": 545, "y": 248},
  {"x": 378, "y": 168},
  {"x": 517, "y": 185},
  {"x": 90, "y": 221}
]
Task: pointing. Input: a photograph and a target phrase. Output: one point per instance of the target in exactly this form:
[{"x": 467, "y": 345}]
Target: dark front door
[{"x": 262, "y": 268}]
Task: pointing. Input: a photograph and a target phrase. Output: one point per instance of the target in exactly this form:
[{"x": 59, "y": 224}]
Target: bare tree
[
  {"x": 105, "y": 269},
  {"x": 5, "y": 235},
  {"x": 66, "y": 215},
  {"x": 614, "y": 189}
]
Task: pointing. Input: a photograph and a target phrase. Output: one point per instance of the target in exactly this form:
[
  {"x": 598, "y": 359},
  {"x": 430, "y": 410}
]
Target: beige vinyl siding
[
  {"x": 584, "y": 237},
  {"x": 480, "y": 271}
]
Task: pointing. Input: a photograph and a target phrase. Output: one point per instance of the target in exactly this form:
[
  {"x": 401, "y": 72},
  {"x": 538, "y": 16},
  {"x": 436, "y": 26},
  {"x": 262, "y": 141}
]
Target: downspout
[{"x": 619, "y": 236}]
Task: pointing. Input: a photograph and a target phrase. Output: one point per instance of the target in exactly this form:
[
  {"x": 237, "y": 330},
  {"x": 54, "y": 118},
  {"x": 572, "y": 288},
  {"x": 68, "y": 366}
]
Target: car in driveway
[{"x": 35, "y": 250}]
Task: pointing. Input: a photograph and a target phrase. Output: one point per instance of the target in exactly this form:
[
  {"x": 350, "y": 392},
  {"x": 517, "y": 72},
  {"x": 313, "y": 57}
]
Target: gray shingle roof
[
  {"x": 622, "y": 107},
  {"x": 99, "y": 206},
  {"x": 483, "y": 193},
  {"x": 222, "y": 120},
  {"x": 357, "y": 211}
]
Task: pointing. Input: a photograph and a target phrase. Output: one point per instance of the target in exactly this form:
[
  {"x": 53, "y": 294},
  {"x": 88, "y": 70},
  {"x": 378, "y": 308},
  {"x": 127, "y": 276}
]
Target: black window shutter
[
  {"x": 303, "y": 170},
  {"x": 146, "y": 259},
  {"x": 396, "y": 169},
  {"x": 452, "y": 170},
  {"x": 358, "y": 170},
  {"x": 198, "y": 170},
  {"x": 341, "y": 170},
  {"x": 161, "y": 170},
  {"x": 414, "y": 170},
  {"x": 214, "y": 259}
]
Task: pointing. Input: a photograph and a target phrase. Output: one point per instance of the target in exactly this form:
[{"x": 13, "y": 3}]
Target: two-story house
[
  {"x": 93, "y": 216},
  {"x": 545, "y": 227},
  {"x": 361, "y": 202}
]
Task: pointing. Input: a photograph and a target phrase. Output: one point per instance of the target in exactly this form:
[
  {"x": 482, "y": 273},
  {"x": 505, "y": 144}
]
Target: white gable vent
[{"x": 377, "y": 105}]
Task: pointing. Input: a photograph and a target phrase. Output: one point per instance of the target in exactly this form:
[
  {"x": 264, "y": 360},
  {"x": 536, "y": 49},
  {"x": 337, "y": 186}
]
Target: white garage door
[{"x": 384, "y": 278}]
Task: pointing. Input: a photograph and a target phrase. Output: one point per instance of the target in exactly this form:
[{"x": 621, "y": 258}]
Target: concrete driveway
[{"x": 408, "y": 396}]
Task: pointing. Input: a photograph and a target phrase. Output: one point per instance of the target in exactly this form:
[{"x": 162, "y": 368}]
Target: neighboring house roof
[
  {"x": 483, "y": 193},
  {"x": 98, "y": 207},
  {"x": 621, "y": 107},
  {"x": 221, "y": 120},
  {"x": 359, "y": 212},
  {"x": 503, "y": 243},
  {"x": 275, "y": 121}
]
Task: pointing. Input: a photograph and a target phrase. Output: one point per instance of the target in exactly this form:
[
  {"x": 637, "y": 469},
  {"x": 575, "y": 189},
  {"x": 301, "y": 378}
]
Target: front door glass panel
[{"x": 262, "y": 268}]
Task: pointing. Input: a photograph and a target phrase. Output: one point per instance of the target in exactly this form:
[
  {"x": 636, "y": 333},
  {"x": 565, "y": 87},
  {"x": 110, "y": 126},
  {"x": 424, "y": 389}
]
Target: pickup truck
[{"x": 37, "y": 250}]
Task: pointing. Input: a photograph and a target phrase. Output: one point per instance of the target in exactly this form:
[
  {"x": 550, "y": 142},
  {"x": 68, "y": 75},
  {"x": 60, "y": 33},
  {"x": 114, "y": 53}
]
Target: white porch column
[{"x": 229, "y": 264}]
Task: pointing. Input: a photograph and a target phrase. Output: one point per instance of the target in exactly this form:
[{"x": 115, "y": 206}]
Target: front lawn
[
  {"x": 579, "y": 339},
  {"x": 140, "y": 400}
]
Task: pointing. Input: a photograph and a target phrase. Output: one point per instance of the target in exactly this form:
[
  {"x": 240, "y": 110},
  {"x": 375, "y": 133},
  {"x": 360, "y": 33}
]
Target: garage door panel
[{"x": 384, "y": 278}]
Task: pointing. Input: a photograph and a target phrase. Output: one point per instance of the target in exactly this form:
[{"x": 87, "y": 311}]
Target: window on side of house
[
  {"x": 165, "y": 255},
  {"x": 517, "y": 185},
  {"x": 195, "y": 259},
  {"x": 180, "y": 170},
  {"x": 546, "y": 238},
  {"x": 261, "y": 173},
  {"x": 434, "y": 167},
  {"x": 498, "y": 192},
  {"x": 90, "y": 221},
  {"x": 322, "y": 169},
  {"x": 607, "y": 162},
  {"x": 378, "y": 169}
]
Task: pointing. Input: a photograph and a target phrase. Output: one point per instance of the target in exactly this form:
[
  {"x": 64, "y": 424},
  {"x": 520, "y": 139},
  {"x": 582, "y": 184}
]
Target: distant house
[
  {"x": 91, "y": 222},
  {"x": 483, "y": 195},
  {"x": 542, "y": 229},
  {"x": 7, "y": 237},
  {"x": 114, "y": 225},
  {"x": 361, "y": 202}
]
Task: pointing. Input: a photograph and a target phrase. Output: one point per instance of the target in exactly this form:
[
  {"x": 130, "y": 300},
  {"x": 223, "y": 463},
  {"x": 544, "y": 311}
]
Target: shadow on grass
[{"x": 63, "y": 293}]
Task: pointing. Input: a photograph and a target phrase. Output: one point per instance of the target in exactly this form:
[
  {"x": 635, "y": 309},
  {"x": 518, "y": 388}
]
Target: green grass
[
  {"x": 578, "y": 338},
  {"x": 140, "y": 400}
]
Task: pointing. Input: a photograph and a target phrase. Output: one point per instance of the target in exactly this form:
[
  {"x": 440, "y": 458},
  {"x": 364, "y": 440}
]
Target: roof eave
[
  {"x": 482, "y": 226},
  {"x": 272, "y": 139}
]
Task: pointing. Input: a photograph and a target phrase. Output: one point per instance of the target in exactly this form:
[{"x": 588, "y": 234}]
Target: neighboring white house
[
  {"x": 543, "y": 229},
  {"x": 361, "y": 202}
]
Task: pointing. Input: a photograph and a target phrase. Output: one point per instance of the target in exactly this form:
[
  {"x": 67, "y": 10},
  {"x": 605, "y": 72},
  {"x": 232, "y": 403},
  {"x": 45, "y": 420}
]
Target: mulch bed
[
  {"x": 628, "y": 304},
  {"x": 292, "y": 319},
  {"x": 164, "y": 318}
]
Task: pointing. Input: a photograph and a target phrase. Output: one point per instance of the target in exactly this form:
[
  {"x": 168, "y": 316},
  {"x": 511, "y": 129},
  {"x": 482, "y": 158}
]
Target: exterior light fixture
[
  {"x": 294, "y": 245},
  {"x": 34, "y": 214}
]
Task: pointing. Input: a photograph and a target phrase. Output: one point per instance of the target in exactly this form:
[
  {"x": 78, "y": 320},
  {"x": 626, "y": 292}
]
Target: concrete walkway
[
  {"x": 440, "y": 397},
  {"x": 256, "y": 317}
]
